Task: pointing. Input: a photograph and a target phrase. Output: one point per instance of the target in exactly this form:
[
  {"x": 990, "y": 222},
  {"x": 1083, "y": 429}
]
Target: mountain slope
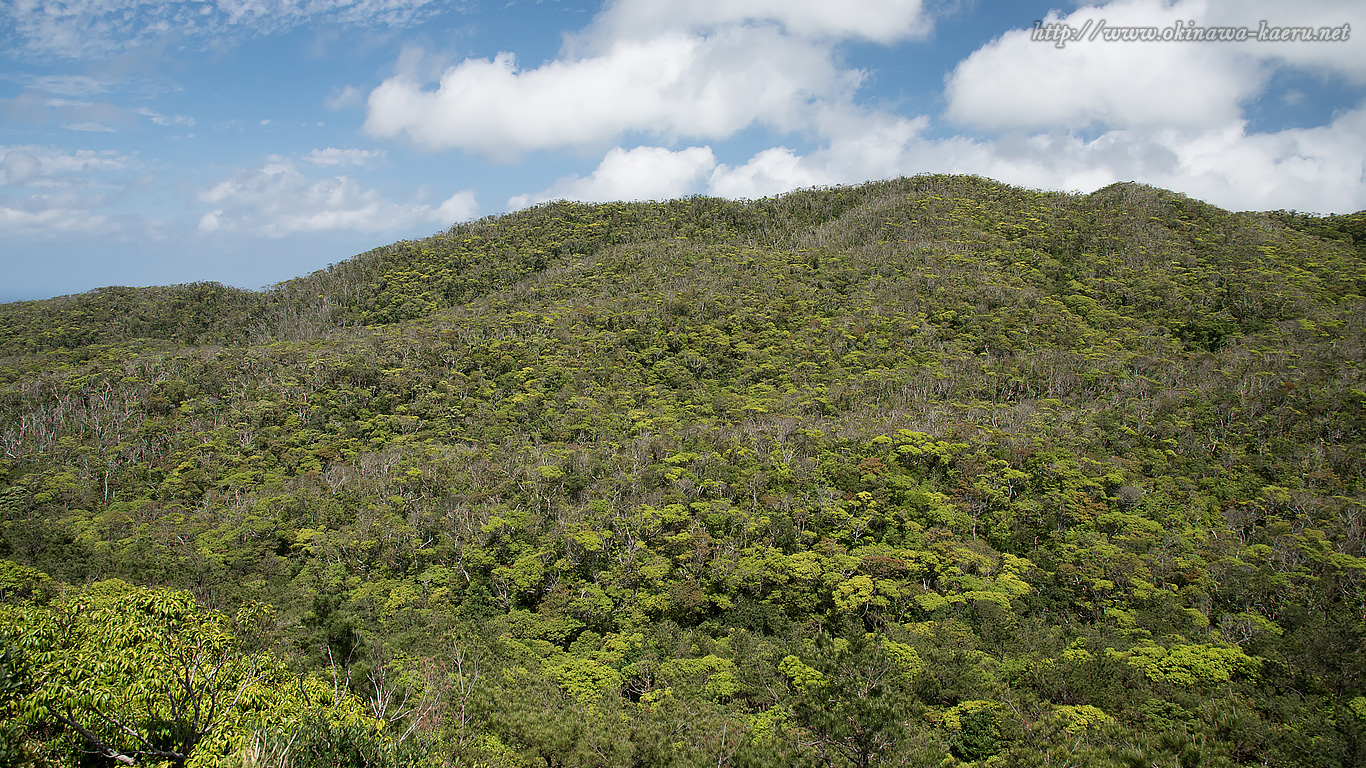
[{"x": 1087, "y": 468}]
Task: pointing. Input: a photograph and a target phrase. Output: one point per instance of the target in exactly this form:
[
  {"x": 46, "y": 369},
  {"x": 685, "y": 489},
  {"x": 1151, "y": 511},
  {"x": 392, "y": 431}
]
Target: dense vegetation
[{"x": 928, "y": 472}]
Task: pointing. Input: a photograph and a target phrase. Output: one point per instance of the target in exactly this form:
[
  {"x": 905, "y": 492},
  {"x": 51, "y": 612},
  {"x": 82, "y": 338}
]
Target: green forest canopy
[{"x": 920, "y": 472}]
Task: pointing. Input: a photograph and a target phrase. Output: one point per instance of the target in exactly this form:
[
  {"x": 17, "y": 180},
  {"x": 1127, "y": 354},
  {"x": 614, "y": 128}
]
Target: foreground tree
[
  {"x": 144, "y": 675},
  {"x": 136, "y": 673}
]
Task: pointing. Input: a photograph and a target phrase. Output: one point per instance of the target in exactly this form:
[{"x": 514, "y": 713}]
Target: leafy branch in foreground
[{"x": 143, "y": 675}]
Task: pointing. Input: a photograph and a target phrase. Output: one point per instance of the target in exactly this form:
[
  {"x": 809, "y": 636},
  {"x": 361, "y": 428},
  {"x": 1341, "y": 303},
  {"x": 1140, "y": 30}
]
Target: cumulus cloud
[
  {"x": 18, "y": 165},
  {"x": 673, "y": 71},
  {"x": 278, "y": 199},
  {"x": 1086, "y": 115},
  {"x": 1015, "y": 81},
  {"x": 642, "y": 173},
  {"x": 676, "y": 86},
  {"x": 1073, "y": 118},
  {"x": 1076, "y": 117},
  {"x": 78, "y": 29},
  {"x": 1319, "y": 169},
  {"x": 1345, "y": 59},
  {"x": 1018, "y": 82},
  {"x": 771, "y": 172},
  {"x": 1171, "y": 114},
  {"x": 460, "y": 206}
]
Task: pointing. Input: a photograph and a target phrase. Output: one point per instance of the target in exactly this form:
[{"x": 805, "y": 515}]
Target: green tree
[
  {"x": 139, "y": 674},
  {"x": 146, "y": 676},
  {"x": 854, "y": 701},
  {"x": 14, "y": 685}
]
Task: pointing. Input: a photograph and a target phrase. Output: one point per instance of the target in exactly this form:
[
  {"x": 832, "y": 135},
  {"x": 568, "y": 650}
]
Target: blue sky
[{"x": 250, "y": 141}]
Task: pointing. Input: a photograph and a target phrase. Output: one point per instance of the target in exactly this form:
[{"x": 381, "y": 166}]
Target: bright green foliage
[
  {"x": 583, "y": 680},
  {"x": 1097, "y": 459},
  {"x": 14, "y": 685},
  {"x": 1189, "y": 665},
  {"x": 20, "y": 582},
  {"x": 146, "y": 675},
  {"x": 711, "y": 676},
  {"x": 803, "y": 679},
  {"x": 975, "y": 729},
  {"x": 1078, "y": 718},
  {"x": 320, "y": 743}
]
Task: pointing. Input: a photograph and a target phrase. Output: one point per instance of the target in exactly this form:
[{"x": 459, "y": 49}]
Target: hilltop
[
  {"x": 918, "y": 470},
  {"x": 945, "y": 216}
]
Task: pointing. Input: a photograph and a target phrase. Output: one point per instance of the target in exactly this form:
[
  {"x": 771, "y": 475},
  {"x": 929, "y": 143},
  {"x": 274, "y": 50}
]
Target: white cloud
[
  {"x": 675, "y": 86},
  {"x": 334, "y": 156},
  {"x": 70, "y": 85},
  {"x": 209, "y": 221},
  {"x": 97, "y": 28},
  {"x": 48, "y": 191},
  {"x": 1015, "y": 81},
  {"x": 160, "y": 119},
  {"x": 1076, "y": 117},
  {"x": 1318, "y": 169},
  {"x": 38, "y": 108},
  {"x": 1170, "y": 114},
  {"x": 90, "y": 127},
  {"x": 277, "y": 199},
  {"x": 882, "y": 21},
  {"x": 1018, "y": 82},
  {"x": 863, "y": 147},
  {"x": 50, "y": 218},
  {"x": 18, "y": 166},
  {"x": 34, "y": 165},
  {"x": 769, "y": 172},
  {"x": 643, "y": 173},
  {"x": 1346, "y": 58},
  {"x": 672, "y": 71},
  {"x": 341, "y": 98},
  {"x": 460, "y": 206}
]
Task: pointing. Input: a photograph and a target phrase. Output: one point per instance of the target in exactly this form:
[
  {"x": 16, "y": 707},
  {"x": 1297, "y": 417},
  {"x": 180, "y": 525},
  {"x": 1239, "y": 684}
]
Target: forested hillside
[{"x": 927, "y": 472}]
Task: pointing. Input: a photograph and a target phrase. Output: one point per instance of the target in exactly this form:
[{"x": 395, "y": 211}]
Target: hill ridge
[{"x": 410, "y": 279}]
